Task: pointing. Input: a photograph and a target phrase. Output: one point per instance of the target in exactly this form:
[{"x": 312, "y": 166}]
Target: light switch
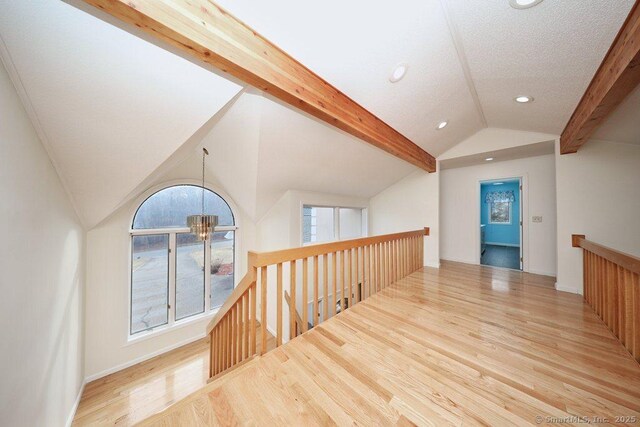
[{"x": 536, "y": 218}]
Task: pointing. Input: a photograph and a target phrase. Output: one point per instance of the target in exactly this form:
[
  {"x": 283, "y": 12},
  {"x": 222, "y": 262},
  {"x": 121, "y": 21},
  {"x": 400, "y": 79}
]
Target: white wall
[
  {"x": 107, "y": 297},
  {"x": 410, "y": 204},
  {"x": 599, "y": 196},
  {"x": 41, "y": 309},
  {"x": 460, "y": 210}
]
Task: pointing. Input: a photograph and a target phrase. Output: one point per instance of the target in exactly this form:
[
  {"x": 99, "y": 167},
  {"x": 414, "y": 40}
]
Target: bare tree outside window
[
  {"x": 500, "y": 213},
  {"x": 173, "y": 265}
]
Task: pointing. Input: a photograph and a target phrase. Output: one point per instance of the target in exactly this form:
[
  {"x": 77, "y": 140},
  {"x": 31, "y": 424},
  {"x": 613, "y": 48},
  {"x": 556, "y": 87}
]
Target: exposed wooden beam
[
  {"x": 617, "y": 76},
  {"x": 203, "y": 29}
]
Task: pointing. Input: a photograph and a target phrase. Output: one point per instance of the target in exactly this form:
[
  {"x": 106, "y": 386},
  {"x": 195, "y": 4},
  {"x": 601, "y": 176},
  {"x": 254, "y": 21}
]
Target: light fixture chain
[{"x": 203, "y": 154}]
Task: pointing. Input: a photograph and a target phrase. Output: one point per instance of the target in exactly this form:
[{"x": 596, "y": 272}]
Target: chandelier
[{"x": 202, "y": 225}]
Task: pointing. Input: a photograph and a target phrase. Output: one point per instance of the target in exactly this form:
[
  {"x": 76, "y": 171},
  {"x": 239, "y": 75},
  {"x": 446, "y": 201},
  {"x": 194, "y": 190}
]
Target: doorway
[{"x": 501, "y": 223}]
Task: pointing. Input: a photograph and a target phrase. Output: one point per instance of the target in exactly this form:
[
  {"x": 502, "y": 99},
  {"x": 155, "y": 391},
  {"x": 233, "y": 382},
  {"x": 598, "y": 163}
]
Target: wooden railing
[
  {"x": 352, "y": 270},
  {"x": 612, "y": 289}
]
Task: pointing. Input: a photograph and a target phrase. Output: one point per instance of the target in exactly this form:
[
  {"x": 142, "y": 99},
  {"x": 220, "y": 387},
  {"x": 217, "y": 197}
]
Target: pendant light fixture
[{"x": 202, "y": 225}]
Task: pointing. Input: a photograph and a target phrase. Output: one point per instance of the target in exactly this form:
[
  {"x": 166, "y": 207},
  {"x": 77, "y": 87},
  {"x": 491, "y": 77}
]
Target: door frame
[{"x": 524, "y": 213}]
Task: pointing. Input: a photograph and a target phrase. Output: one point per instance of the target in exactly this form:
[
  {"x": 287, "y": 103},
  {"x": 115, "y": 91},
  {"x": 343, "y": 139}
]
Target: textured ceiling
[
  {"x": 355, "y": 44},
  {"x": 113, "y": 109},
  {"x": 109, "y": 106},
  {"x": 549, "y": 52}
]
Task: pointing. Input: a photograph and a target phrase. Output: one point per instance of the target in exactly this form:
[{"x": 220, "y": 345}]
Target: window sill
[{"x": 165, "y": 329}]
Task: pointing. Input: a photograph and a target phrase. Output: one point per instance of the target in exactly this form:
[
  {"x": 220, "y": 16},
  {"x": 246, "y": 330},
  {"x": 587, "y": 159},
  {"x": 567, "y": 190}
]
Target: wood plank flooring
[
  {"x": 460, "y": 345},
  {"x": 133, "y": 394}
]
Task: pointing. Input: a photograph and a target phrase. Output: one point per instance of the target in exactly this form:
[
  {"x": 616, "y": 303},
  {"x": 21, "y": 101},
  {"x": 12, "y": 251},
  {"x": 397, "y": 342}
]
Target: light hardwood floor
[
  {"x": 459, "y": 345},
  {"x": 133, "y": 394}
]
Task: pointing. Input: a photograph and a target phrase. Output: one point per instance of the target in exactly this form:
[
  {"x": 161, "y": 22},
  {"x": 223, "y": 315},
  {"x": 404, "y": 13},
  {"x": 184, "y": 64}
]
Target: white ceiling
[
  {"x": 109, "y": 106},
  {"x": 355, "y": 44},
  {"x": 298, "y": 152},
  {"x": 623, "y": 125},
  {"x": 549, "y": 52},
  {"x": 261, "y": 149},
  {"x": 113, "y": 109}
]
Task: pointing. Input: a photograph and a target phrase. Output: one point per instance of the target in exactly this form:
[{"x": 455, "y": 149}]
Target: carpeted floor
[{"x": 501, "y": 256}]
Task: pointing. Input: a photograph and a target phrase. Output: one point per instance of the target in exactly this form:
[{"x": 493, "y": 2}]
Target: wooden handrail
[
  {"x": 622, "y": 259},
  {"x": 611, "y": 283},
  {"x": 246, "y": 282},
  {"x": 358, "y": 268},
  {"x": 269, "y": 258}
]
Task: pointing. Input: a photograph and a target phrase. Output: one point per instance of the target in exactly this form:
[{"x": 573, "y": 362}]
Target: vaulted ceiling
[
  {"x": 108, "y": 106},
  {"x": 114, "y": 110}
]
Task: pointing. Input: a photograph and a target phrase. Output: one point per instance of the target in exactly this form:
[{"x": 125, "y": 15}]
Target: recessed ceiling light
[
  {"x": 523, "y": 99},
  {"x": 524, "y": 4},
  {"x": 398, "y": 73},
  {"x": 498, "y": 183},
  {"x": 488, "y": 159},
  {"x": 442, "y": 125}
]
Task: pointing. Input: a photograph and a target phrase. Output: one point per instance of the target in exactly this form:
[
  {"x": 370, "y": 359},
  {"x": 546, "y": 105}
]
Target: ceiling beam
[
  {"x": 206, "y": 31},
  {"x": 617, "y": 76}
]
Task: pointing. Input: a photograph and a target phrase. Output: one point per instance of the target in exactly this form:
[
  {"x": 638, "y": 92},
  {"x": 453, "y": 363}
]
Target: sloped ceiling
[
  {"x": 355, "y": 45},
  {"x": 549, "y": 52},
  {"x": 298, "y": 152},
  {"x": 261, "y": 149},
  {"x": 116, "y": 111},
  {"x": 109, "y": 106},
  {"x": 455, "y": 49}
]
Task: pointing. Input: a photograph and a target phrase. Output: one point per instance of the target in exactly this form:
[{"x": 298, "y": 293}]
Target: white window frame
[
  {"x": 209, "y": 312},
  {"x": 336, "y": 222},
  {"x": 173, "y": 232},
  {"x": 501, "y": 223}
]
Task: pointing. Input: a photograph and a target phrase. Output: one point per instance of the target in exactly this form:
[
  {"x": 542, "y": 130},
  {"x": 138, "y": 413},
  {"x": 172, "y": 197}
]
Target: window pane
[
  {"x": 171, "y": 206},
  {"x": 500, "y": 213},
  {"x": 149, "y": 281},
  {"x": 189, "y": 276},
  {"x": 222, "y": 266},
  {"x": 317, "y": 224},
  {"x": 350, "y": 223}
]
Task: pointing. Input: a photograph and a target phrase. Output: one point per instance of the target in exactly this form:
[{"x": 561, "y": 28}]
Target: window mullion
[
  {"x": 207, "y": 275},
  {"x": 336, "y": 223},
  {"x": 172, "y": 279}
]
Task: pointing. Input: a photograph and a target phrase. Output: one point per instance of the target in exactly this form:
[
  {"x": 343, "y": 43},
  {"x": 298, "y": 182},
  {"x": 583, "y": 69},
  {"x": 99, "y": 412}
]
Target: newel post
[{"x": 576, "y": 239}]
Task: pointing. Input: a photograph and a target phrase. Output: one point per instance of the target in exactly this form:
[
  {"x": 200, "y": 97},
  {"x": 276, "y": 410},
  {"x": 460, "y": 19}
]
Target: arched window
[{"x": 173, "y": 276}]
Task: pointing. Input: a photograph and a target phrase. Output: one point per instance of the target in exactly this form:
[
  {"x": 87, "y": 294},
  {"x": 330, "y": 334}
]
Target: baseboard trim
[
  {"x": 464, "y": 261},
  {"x": 570, "y": 289},
  {"x": 510, "y": 245},
  {"x": 541, "y": 273},
  {"x": 432, "y": 264},
  {"x": 74, "y": 409},
  {"x": 140, "y": 359}
]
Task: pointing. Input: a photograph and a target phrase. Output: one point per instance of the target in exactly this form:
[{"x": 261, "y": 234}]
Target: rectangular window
[
  {"x": 318, "y": 224},
  {"x": 149, "y": 281},
  {"x": 500, "y": 213},
  {"x": 222, "y": 267},
  {"x": 326, "y": 224},
  {"x": 190, "y": 275}
]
